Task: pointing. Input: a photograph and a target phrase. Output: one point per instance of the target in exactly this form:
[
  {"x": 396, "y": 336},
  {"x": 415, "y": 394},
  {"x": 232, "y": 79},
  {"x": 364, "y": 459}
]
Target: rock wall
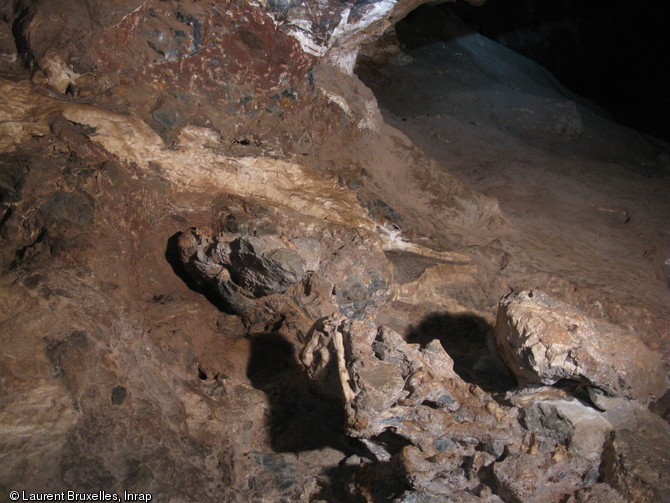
[{"x": 175, "y": 63}]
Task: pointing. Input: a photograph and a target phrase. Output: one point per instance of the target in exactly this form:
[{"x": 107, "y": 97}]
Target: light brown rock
[{"x": 544, "y": 340}]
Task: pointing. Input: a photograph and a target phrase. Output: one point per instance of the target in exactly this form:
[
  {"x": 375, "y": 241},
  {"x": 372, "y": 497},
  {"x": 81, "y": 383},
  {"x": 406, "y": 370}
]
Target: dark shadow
[
  {"x": 299, "y": 419},
  {"x": 172, "y": 257},
  {"x": 464, "y": 338},
  {"x": 363, "y": 483},
  {"x": 661, "y": 407}
]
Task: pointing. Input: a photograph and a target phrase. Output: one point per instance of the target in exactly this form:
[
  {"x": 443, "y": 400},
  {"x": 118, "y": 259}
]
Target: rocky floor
[{"x": 202, "y": 322}]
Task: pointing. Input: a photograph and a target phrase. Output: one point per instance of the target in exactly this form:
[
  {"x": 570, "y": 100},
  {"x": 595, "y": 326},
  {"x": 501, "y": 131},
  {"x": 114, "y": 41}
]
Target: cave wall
[
  {"x": 224, "y": 65},
  {"x": 270, "y": 79}
]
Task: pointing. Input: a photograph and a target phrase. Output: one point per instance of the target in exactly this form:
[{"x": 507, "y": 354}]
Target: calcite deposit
[{"x": 227, "y": 275}]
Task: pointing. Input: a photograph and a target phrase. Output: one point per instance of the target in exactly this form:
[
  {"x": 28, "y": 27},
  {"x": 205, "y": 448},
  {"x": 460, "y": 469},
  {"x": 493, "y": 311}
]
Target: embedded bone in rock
[
  {"x": 265, "y": 259},
  {"x": 373, "y": 385},
  {"x": 389, "y": 385},
  {"x": 260, "y": 249},
  {"x": 245, "y": 360},
  {"x": 325, "y": 357},
  {"x": 544, "y": 340}
]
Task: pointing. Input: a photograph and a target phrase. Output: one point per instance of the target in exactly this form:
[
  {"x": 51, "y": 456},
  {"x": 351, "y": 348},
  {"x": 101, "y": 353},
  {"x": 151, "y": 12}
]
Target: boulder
[{"x": 543, "y": 340}]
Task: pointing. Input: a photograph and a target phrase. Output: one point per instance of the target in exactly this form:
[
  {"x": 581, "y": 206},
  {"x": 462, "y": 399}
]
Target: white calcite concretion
[
  {"x": 341, "y": 46},
  {"x": 196, "y": 165}
]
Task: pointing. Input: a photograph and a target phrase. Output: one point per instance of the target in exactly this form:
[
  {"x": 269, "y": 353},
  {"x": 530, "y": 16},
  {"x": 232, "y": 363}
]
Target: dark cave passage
[{"x": 610, "y": 52}]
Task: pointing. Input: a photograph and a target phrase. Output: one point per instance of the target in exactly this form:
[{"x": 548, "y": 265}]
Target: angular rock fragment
[
  {"x": 569, "y": 422},
  {"x": 543, "y": 341},
  {"x": 456, "y": 497},
  {"x": 422, "y": 472},
  {"x": 262, "y": 269},
  {"x": 599, "y": 493}
]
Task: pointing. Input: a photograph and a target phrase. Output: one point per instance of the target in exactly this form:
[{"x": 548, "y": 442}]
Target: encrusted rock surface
[
  {"x": 536, "y": 477},
  {"x": 573, "y": 424},
  {"x": 260, "y": 252},
  {"x": 446, "y": 438},
  {"x": 599, "y": 493},
  {"x": 214, "y": 64}
]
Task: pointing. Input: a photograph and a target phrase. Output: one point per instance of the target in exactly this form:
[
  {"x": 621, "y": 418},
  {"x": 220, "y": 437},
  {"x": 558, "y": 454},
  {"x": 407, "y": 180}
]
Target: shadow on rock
[
  {"x": 464, "y": 338},
  {"x": 299, "y": 419},
  {"x": 362, "y": 483},
  {"x": 172, "y": 257}
]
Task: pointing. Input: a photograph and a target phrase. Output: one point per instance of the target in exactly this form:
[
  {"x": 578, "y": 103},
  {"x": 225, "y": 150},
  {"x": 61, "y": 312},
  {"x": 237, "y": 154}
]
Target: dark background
[{"x": 614, "y": 52}]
